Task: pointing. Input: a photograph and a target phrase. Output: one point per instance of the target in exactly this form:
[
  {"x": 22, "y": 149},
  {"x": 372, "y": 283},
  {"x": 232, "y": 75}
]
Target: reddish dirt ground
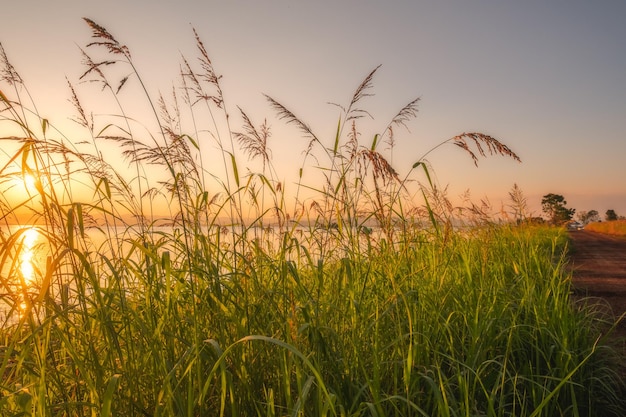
[{"x": 598, "y": 263}]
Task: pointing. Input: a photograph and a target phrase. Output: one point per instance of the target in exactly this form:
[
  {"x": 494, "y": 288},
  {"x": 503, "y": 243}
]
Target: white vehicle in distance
[{"x": 575, "y": 226}]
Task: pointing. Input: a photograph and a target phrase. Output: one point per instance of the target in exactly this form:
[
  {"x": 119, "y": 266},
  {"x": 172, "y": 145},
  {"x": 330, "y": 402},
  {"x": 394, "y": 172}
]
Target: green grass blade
[{"x": 107, "y": 399}]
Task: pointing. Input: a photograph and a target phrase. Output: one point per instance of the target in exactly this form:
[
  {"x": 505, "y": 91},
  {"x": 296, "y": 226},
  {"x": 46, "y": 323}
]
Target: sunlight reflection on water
[
  {"x": 27, "y": 256},
  {"x": 22, "y": 251},
  {"x": 27, "y": 267}
]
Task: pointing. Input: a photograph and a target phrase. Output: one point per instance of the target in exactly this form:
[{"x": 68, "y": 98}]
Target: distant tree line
[{"x": 554, "y": 207}]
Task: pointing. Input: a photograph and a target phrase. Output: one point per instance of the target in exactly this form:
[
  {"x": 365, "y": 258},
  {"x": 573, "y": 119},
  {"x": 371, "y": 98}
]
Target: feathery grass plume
[
  {"x": 518, "y": 204},
  {"x": 406, "y": 114},
  {"x": 104, "y": 38},
  {"x": 402, "y": 118},
  {"x": 8, "y": 73},
  {"x": 82, "y": 119},
  {"x": 336, "y": 190},
  {"x": 191, "y": 83},
  {"x": 205, "y": 87},
  {"x": 254, "y": 141},
  {"x": 94, "y": 67},
  {"x": 209, "y": 75},
  {"x": 354, "y": 112},
  {"x": 170, "y": 117},
  {"x": 290, "y": 118},
  {"x": 482, "y": 141},
  {"x": 479, "y": 140},
  {"x": 285, "y": 114},
  {"x": 94, "y": 74}
]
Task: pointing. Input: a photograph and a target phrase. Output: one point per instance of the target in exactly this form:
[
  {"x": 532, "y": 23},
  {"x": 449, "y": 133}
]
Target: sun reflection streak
[{"x": 27, "y": 253}]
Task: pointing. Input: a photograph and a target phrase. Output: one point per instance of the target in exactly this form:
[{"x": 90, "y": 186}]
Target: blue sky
[{"x": 547, "y": 78}]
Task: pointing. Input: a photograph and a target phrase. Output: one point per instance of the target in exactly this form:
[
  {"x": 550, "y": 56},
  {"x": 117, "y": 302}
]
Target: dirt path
[
  {"x": 599, "y": 267},
  {"x": 598, "y": 263}
]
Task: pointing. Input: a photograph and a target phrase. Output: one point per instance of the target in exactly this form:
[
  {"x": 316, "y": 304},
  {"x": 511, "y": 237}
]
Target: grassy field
[
  {"x": 374, "y": 297},
  {"x": 617, "y": 227}
]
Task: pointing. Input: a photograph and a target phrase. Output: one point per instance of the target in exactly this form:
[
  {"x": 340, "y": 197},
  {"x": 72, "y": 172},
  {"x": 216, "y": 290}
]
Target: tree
[
  {"x": 610, "y": 215},
  {"x": 587, "y": 217},
  {"x": 554, "y": 206}
]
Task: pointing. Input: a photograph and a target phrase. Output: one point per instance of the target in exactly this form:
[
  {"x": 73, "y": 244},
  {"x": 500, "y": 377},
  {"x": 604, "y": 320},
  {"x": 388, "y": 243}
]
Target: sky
[{"x": 546, "y": 78}]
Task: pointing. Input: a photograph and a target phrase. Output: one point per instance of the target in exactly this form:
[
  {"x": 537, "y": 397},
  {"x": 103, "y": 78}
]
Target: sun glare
[
  {"x": 26, "y": 257},
  {"x": 25, "y": 181},
  {"x": 30, "y": 182}
]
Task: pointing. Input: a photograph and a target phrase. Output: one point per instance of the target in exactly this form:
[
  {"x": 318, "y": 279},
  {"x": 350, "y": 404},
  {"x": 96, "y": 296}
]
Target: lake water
[{"x": 26, "y": 255}]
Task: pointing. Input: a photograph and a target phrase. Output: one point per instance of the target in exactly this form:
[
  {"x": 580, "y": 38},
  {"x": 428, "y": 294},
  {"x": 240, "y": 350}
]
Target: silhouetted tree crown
[
  {"x": 554, "y": 206},
  {"x": 610, "y": 215}
]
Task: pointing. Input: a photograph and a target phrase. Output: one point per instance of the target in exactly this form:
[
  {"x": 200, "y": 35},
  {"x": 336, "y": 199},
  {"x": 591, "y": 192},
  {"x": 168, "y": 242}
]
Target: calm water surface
[{"x": 26, "y": 254}]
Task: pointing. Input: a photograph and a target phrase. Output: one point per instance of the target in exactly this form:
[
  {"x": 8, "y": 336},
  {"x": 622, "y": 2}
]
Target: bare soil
[{"x": 598, "y": 263}]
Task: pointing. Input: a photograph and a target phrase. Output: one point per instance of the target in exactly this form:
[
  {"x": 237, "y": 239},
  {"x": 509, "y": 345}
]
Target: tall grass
[{"x": 355, "y": 293}]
